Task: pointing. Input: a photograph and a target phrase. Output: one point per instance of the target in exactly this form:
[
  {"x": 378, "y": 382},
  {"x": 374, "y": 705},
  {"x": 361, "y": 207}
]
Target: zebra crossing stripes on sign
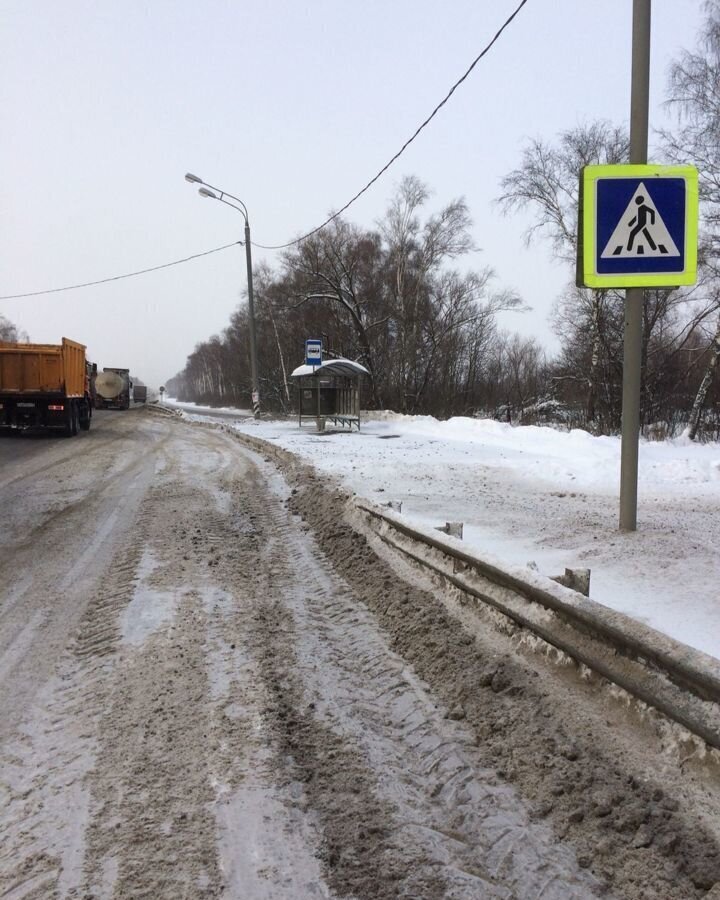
[{"x": 638, "y": 226}]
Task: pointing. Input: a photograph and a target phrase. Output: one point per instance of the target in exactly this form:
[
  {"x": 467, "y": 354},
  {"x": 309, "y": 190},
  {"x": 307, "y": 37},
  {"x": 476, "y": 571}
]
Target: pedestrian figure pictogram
[
  {"x": 641, "y": 219},
  {"x": 641, "y": 231}
]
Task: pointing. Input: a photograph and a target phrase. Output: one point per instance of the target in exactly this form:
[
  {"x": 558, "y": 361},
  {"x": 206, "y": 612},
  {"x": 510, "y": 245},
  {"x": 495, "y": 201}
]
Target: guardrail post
[
  {"x": 454, "y": 529},
  {"x": 575, "y": 579}
]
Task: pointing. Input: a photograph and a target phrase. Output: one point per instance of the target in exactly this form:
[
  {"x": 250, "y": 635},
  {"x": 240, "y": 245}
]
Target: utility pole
[{"x": 634, "y": 297}]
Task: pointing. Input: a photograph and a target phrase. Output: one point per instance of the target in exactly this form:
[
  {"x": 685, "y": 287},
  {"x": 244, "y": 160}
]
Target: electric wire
[
  {"x": 72, "y": 287},
  {"x": 339, "y": 212},
  {"x": 407, "y": 143}
]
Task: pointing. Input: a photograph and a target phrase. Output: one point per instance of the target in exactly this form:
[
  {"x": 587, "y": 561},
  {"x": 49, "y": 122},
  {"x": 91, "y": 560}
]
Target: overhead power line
[
  {"x": 407, "y": 143},
  {"x": 72, "y": 287},
  {"x": 339, "y": 212}
]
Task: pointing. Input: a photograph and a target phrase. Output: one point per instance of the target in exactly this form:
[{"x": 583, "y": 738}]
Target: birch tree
[{"x": 710, "y": 372}]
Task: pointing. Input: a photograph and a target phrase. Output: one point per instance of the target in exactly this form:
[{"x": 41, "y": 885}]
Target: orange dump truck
[{"x": 45, "y": 386}]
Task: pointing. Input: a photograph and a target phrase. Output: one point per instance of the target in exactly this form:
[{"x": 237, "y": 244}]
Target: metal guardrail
[{"x": 678, "y": 681}]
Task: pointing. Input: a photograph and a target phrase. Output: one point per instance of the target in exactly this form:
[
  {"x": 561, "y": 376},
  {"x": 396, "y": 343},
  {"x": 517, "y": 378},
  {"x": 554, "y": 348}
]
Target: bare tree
[
  {"x": 10, "y": 332},
  {"x": 547, "y": 179},
  {"x": 340, "y": 265},
  {"x": 546, "y": 182},
  {"x": 434, "y": 309},
  {"x": 694, "y": 92}
]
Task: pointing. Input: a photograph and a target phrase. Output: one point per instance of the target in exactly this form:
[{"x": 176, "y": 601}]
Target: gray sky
[{"x": 291, "y": 106}]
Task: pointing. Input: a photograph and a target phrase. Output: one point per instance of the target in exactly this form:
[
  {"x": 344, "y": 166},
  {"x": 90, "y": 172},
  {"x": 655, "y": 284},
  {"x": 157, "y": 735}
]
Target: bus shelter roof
[{"x": 345, "y": 367}]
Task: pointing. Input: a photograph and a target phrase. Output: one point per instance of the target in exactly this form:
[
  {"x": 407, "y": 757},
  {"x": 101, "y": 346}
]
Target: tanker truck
[
  {"x": 45, "y": 386},
  {"x": 112, "y": 389}
]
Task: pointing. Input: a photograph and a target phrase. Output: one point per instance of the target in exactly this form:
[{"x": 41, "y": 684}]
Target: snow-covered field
[{"x": 545, "y": 497}]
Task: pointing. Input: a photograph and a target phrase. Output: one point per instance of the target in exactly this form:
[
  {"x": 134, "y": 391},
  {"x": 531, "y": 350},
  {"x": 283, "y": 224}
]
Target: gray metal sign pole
[
  {"x": 634, "y": 297},
  {"x": 251, "y": 323}
]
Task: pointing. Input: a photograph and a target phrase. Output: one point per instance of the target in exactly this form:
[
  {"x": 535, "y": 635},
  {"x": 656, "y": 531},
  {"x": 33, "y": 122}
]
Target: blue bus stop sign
[
  {"x": 638, "y": 226},
  {"x": 313, "y": 352}
]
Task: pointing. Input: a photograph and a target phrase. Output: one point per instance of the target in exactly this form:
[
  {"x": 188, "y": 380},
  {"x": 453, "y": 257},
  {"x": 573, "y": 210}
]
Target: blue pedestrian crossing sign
[{"x": 638, "y": 226}]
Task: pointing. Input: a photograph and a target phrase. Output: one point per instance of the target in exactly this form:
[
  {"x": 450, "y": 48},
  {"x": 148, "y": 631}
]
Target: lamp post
[{"x": 207, "y": 190}]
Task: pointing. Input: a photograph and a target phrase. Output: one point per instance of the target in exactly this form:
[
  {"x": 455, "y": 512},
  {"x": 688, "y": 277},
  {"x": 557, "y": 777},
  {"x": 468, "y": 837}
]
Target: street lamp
[{"x": 207, "y": 190}]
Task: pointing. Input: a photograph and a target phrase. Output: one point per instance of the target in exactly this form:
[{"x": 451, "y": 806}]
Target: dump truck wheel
[
  {"x": 69, "y": 420},
  {"x": 85, "y": 416},
  {"x": 72, "y": 417}
]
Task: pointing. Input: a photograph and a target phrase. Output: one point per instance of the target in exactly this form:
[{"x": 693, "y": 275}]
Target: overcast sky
[{"x": 293, "y": 107}]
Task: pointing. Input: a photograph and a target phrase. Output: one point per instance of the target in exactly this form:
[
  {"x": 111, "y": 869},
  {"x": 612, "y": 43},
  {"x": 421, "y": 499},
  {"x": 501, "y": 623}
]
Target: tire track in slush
[
  {"x": 365, "y": 737},
  {"x": 153, "y": 829},
  {"x": 53, "y": 579},
  {"x": 45, "y": 769}
]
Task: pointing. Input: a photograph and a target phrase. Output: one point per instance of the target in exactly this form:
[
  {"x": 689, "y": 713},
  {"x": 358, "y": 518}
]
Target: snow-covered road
[{"x": 212, "y": 686}]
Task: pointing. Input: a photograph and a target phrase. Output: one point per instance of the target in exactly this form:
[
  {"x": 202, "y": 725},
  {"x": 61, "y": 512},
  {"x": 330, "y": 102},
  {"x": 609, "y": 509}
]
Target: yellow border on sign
[{"x": 590, "y": 277}]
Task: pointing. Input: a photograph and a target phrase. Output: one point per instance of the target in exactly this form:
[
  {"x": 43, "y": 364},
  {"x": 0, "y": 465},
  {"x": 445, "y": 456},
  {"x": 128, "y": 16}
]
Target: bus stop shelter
[{"x": 330, "y": 392}]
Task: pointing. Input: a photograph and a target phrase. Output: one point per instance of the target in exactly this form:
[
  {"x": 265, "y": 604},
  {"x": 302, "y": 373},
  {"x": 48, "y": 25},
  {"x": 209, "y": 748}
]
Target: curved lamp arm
[{"x": 204, "y": 192}]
